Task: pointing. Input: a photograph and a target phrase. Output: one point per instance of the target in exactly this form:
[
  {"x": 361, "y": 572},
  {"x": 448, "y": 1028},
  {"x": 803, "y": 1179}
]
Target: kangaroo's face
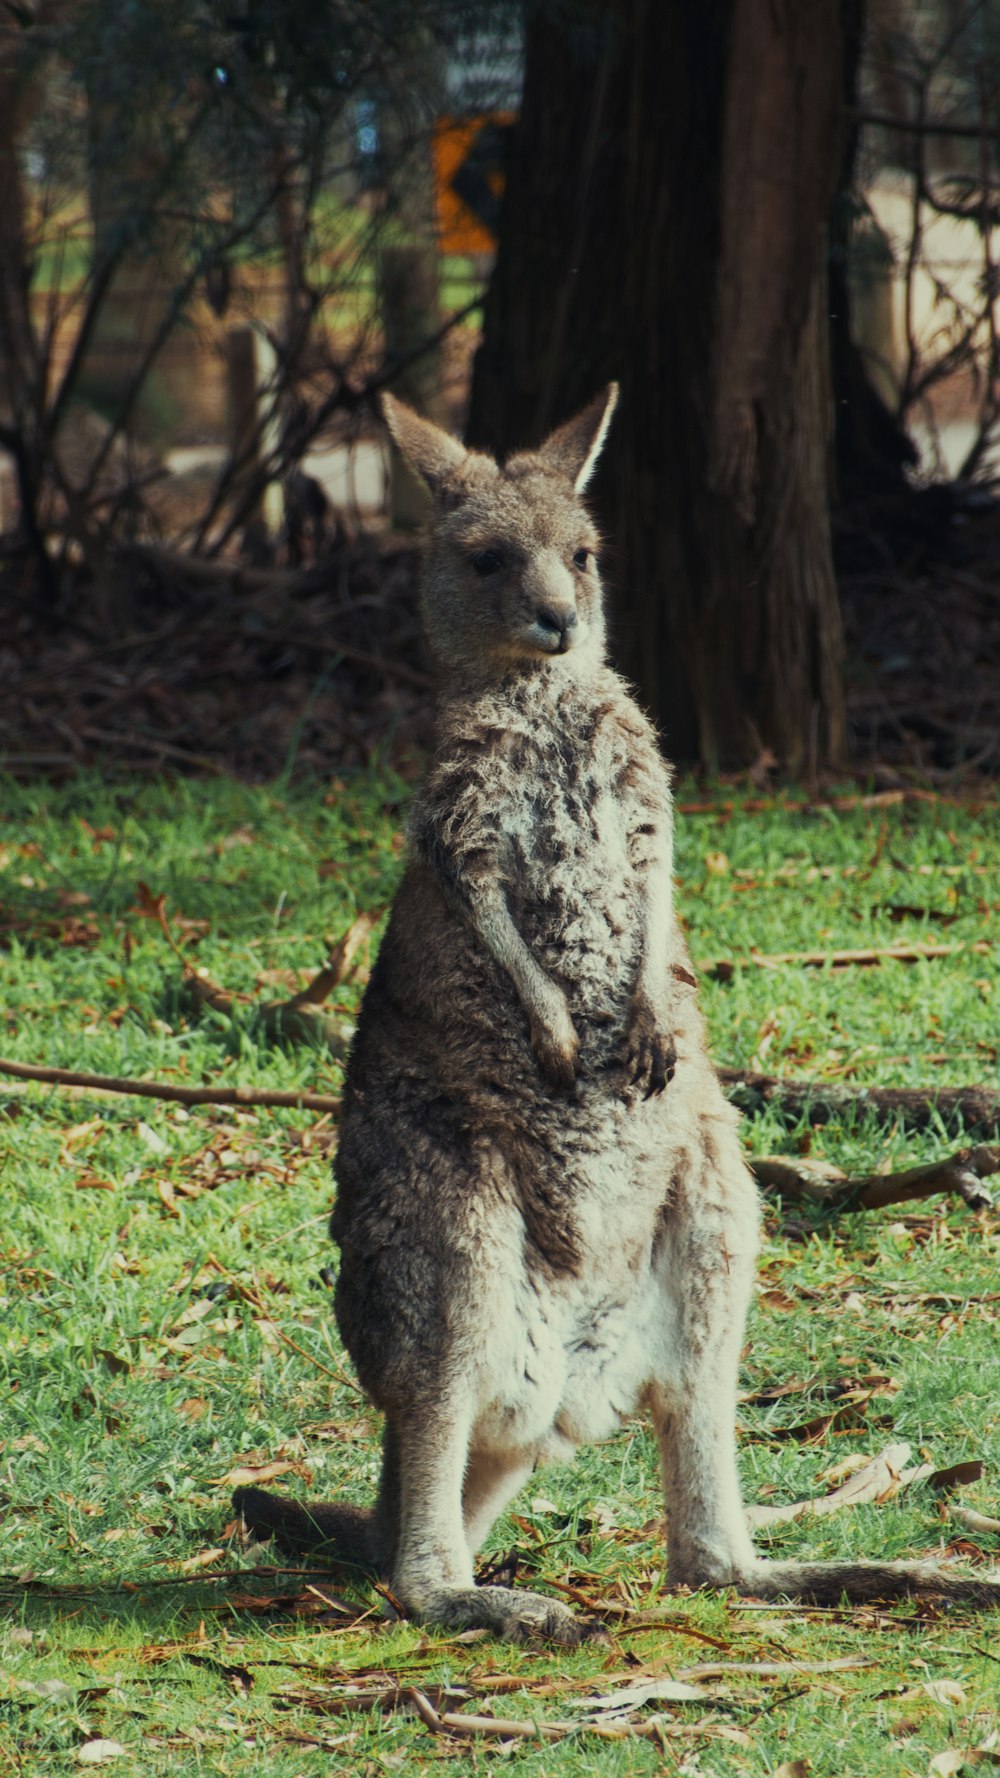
[
  {"x": 512, "y": 571},
  {"x": 511, "y": 574}
]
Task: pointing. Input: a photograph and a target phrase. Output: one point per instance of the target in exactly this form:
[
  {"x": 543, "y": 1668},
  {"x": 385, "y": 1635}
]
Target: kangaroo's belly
[
  {"x": 568, "y": 1373},
  {"x": 567, "y": 1358}
]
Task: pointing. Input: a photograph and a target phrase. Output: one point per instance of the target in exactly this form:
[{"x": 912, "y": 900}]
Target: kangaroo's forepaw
[
  {"x": 557, "y": 1052},
  {"x": 648, "y": 1057}
]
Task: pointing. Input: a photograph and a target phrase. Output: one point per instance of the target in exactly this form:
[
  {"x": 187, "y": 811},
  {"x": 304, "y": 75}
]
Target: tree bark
[
  {"x": 664, "y": 222},
  {"x": 22, "y": 77}
]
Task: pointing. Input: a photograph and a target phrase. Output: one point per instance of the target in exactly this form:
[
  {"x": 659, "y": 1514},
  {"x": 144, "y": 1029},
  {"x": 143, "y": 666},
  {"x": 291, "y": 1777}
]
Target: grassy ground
[{"x": 164, "y": 1319}]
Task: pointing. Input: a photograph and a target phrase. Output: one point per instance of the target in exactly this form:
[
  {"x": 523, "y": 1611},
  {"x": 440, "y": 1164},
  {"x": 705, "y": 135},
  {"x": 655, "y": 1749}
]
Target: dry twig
[
  {"x": 161, "y": 1089},
  {"x": 913, "y": 1108},
  {"x": 795, "y": 1182},
  {"x": 722, "y": 968}
]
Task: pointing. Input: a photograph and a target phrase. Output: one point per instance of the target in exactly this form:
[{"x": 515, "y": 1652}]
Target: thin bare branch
[
  {"x": 929, "y": 126},
  {"x": 161, "y": 1089},
  {"x": 795, "y": 1182},
  {"x": 914, "y": 1108}
]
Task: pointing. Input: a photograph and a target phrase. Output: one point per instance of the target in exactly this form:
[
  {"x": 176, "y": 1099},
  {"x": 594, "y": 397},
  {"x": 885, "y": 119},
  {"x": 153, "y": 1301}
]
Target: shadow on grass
[{"x": 158, "y": 1607}]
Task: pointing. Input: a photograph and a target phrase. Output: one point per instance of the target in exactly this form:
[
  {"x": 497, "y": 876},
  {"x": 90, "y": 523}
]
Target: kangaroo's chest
[{"x": 575, "y": 887}]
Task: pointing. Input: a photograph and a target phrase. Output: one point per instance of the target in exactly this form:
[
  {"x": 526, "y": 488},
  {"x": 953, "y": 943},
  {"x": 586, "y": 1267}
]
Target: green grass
[{"x": 155, "y": 1266}]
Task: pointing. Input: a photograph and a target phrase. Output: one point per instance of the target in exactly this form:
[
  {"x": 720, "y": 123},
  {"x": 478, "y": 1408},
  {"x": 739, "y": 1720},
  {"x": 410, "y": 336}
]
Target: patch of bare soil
[
  {"x": 920, "y": 588},
  {"x": 190, "y": 666},
  {"x": 184, "y": 665}
]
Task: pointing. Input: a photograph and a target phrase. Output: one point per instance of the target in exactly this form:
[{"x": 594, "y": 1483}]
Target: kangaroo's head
[{"x": 511, "y": 578}]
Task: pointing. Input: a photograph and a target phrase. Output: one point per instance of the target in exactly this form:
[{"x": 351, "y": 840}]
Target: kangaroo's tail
[
  {"x": 861, "y": 1583},
  {"x": 334, "y": 1533}
]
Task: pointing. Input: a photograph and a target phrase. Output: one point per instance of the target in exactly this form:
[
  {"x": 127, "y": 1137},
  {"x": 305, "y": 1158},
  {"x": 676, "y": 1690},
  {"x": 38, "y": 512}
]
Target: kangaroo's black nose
[{"x": 558, "y": 618}]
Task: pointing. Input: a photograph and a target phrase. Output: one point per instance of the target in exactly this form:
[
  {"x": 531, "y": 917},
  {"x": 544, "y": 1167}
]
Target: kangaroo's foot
[{"x": 510, "y": 1613}]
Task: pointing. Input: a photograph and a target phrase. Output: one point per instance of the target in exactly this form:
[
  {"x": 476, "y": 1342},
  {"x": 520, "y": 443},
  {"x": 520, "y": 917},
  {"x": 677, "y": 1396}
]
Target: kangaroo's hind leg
[
  {"x": 492, "y": 1478},
  {"x": 706, "y": 1264},
  {"x": 433, "y": 1575}
]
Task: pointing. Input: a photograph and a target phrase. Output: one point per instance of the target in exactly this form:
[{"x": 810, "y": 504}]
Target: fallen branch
[
  {"x": 721, "y": 969},
  {"x": 161, "y": 1089},
  {"x": 509, "y": 1728},
  {"x": 299, "y": 1019},
  {"x": 795, "y": 1182},
  {"x": 973, "y": 1521},
  {"x": 609, "y": 1715},
  {"x": 913, "y": 1108}
]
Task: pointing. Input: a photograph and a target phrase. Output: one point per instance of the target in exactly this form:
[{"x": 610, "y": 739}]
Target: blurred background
[{"x": 224, "y": 229}]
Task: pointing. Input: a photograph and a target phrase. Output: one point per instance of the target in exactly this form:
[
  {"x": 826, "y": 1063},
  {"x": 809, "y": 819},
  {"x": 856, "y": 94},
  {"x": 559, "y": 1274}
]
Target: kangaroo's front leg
[
  {"x": 433, "y": 1576},
  {"x": 553, "y": 1035},
  {"x": 457, "y": 835}
]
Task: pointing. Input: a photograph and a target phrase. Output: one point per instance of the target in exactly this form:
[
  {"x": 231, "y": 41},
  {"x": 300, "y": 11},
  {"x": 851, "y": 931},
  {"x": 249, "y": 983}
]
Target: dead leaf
[
  {"x": 245, "y": 1475},
  {"x": 165, "y": 1191},
  {"x": 630, "y": 1697},
  {"x": 204, "y": 1559},
  {"x": 113, "y": 1361},
  {"x": 848, "y": 1417},
  {"x": 878, "y": 1480},
  {"x": 540, "y": 1503},
  {"x": 78, "y": 1134},
  {"x": 941, "y": 1691},
  {"x": 778, "y": 1299},
  {"x": 793, "y": 1768},
  {"x": 194, "y": 1312},
  {"x": 149, "y": 906},
  {"x": 152, "y": 1139},
  {"x": 955, "y": 1475},
  {"x": 95, "y": 1753}
]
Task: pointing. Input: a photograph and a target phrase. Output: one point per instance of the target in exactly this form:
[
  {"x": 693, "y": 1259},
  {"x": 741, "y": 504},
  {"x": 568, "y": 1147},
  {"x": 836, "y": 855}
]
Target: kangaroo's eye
[
  {"x": 487, "y": 561},
  {"x": 581, "y": 558}
]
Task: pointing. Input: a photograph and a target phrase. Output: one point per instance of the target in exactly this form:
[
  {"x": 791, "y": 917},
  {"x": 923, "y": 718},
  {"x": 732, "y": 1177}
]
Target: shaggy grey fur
[{"x": 544, "y": 1217}]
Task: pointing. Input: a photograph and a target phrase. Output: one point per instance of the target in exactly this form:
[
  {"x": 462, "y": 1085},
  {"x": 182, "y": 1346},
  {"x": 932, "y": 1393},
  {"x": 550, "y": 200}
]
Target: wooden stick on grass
[
  {"x": 161, "y": 1089},
  {"x": 914, "y": 1108},
  {"x": 722, "y": 968},
  {"x": 795, "y": 1182}
]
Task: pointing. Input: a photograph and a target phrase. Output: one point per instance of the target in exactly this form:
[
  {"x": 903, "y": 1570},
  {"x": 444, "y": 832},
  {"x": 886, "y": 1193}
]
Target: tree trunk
[
  {"x": 22, "y": 370},
  {"x": 664, "y": 222}
]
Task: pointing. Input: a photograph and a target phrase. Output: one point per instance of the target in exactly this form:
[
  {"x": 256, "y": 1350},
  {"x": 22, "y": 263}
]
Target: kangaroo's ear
[
  {"x": 434, "y": 454},
  {"x": 574, "y": 447}
]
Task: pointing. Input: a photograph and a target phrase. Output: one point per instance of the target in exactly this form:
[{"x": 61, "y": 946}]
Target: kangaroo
[{"x": 544, "y": 1217}]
